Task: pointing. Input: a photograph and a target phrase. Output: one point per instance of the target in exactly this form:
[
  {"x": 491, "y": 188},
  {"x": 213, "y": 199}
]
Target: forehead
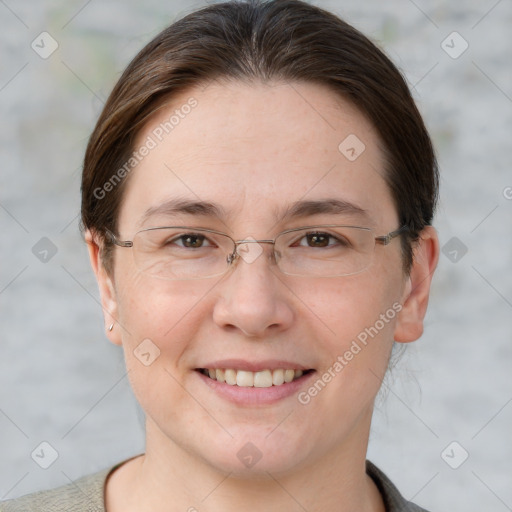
[{"x": 256, "y": 149}]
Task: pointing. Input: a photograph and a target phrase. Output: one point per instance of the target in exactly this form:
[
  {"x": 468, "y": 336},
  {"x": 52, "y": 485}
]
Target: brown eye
[
  {"x": 194, "y": 241},
  {"x": 318, "y": 239},
  {"x": 190, "y": 241}
]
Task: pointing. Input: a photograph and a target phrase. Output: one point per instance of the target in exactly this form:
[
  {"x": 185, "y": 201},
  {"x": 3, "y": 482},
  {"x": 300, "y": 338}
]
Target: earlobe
[
  {"x": 106, "y": 287},
  {"x": 409, "y": 325}
]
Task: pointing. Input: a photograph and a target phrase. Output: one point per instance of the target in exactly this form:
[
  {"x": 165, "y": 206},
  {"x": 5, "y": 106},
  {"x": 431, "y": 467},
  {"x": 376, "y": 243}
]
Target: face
[{"x": 255, "y": 151}]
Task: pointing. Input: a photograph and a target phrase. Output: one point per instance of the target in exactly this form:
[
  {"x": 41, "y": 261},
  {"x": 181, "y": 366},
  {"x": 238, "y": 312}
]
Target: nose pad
[{"x": 231, "y": 258}]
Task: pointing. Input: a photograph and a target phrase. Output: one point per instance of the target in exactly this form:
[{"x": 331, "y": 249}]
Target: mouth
[{"x": 260, "y": 379}]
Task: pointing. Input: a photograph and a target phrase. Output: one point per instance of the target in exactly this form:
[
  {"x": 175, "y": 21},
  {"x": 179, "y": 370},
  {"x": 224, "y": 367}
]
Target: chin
[{"x": 257, "y": 454}]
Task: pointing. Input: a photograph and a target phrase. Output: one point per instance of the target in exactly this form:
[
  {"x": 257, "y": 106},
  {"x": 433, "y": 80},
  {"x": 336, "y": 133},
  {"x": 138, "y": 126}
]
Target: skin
[{"x": 254, "y": 149}]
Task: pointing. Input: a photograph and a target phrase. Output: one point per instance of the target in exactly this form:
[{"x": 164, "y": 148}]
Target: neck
[{"x": 171, "y": 475}]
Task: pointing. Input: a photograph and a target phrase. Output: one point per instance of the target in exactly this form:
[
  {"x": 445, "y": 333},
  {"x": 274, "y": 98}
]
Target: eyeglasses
[{"x": 182, "y": 253}]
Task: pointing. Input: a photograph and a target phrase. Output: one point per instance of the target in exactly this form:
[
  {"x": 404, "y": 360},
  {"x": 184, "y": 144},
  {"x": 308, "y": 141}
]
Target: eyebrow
[
  {"x": 184, "y": 206},
  {"x": 298, "y": 209},
  {"x": 326, "y": 206}
]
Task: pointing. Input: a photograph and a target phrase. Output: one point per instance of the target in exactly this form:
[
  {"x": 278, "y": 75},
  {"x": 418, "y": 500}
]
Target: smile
[{"x": 248, "y": 379}]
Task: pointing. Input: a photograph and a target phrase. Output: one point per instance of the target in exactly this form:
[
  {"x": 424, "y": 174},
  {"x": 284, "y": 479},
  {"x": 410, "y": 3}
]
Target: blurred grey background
[{"x": 64, "y": 384}]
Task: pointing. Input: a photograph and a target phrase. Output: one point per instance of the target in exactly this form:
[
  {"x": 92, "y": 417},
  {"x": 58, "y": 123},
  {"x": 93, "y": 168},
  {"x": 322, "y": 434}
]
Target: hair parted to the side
[{"x": 258, "y": 40}]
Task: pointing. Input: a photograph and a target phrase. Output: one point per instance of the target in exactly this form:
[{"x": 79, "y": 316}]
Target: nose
[{"x": 252, "y": 297}]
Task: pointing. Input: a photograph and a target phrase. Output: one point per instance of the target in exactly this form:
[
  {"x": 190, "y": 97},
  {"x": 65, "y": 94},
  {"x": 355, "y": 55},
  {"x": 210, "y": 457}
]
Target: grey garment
[
  {"x": 83, "y": 495},
  {"x": 393, "y": 500},
  {"x": 88, "y": 495}
]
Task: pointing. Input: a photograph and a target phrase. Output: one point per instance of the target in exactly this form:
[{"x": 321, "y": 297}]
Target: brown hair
[{"x": 287, "y": 40}]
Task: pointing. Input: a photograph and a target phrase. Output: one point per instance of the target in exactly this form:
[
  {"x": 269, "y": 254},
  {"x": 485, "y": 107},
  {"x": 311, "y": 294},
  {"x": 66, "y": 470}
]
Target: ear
[
  {"x": 106, "y": 287},
  {"x": 409, "y": 325}
]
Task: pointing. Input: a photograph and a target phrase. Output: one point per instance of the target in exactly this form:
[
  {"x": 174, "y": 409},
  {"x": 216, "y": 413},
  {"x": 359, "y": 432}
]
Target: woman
[{"x": 256, "y": 197}]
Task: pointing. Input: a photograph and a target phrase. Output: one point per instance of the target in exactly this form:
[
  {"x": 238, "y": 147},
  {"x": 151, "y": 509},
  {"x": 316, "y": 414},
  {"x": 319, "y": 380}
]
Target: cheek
[
  {"x": 160, "y": 320},
  {"x": 160, "y": 310},
  {"x": 356, "y": 318},
  {"x": 345, "y": 308}
]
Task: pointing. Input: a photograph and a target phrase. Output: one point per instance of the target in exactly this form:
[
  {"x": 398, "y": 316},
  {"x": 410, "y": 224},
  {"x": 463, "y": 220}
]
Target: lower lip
[{"x": 255, "y": 396}]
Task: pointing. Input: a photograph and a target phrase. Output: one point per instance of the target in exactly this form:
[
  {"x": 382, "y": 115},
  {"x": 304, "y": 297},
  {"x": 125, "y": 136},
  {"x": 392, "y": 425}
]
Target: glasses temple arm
[
  {"x": 115, "y": 241},
  {"x": 386, "y": 239}
]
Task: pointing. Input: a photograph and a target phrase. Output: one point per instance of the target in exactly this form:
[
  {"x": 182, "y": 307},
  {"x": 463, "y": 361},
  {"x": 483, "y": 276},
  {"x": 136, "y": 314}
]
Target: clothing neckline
[{"x": 386, "y": 488}]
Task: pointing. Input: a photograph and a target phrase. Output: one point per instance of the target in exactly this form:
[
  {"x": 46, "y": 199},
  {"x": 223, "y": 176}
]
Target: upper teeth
[{"x": 262, "y": 379}]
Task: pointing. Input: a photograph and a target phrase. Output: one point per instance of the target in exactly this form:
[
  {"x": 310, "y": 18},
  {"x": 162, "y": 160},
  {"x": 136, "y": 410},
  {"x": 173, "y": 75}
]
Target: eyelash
[
  {"x": 187, "y": 235},
  {"x": 304, "y": 237}
]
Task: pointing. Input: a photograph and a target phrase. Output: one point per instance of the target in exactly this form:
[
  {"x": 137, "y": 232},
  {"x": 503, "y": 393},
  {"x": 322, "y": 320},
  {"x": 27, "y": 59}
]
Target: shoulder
[
  {"x": 393, "y": 500},
  {"x": 84, "y": 495}
]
